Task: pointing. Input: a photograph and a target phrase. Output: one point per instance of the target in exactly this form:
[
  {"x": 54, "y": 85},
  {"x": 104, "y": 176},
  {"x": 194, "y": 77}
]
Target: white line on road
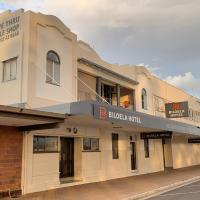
[
  {"x": 192, "y": 186},
  {"x": 184, "y": 193}
]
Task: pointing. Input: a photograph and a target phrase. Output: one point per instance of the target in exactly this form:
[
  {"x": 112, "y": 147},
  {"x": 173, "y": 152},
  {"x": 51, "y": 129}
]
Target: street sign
[{"x": 177, "y": 109}]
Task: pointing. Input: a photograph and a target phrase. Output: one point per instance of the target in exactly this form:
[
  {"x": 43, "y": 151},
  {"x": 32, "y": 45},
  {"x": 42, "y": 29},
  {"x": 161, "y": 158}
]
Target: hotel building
[{"x": 115, "y": 116}]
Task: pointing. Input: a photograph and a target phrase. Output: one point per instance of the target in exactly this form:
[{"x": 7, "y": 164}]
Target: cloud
[
  {"x": 161, "y": 33},
  {"x": 187, "y": 82}
]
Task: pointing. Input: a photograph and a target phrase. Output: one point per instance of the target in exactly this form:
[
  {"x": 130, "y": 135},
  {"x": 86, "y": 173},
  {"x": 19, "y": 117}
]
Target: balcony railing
[{"x": 84, "y": 96}]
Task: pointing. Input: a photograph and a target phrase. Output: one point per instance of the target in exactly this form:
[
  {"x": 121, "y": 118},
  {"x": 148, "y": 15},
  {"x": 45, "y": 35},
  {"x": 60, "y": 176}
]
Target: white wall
[
  {"x": 50, "y": 34},
  {"x": 41, "y": 171},
  {"x": 155, "y": 161},
  {"x": 115, "y": 168},
  {"x": 41, "y": 174},
  {"x": 11, "y": 91},
  {"x": 185, "y": 154}
]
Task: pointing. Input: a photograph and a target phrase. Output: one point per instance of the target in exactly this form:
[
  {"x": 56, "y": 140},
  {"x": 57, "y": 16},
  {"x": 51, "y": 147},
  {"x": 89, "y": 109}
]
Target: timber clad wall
[{"x": 10, "y": 160}]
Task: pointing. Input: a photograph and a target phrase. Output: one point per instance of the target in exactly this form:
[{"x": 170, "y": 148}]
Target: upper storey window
[
  {"x": 53, "y": 68},
  {"x": 10, "y": 70},
  {"x": 144, "y": 99}
]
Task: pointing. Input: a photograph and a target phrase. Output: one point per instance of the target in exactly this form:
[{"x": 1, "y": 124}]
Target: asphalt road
[{"x": 188, "y": 192}]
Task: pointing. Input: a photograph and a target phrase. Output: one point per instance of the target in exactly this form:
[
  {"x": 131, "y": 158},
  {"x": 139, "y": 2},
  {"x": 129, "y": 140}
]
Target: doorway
[
  {"x": 167, "y": 153},
  {"x": 66, "y": 157},
  {"x": 133, "y": 156}
]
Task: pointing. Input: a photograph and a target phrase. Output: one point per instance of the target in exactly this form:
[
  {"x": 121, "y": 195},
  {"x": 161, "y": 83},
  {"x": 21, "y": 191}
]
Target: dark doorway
[
  {"x": 167, "y": 153},
  {"x": 109, "y": 93},
  {"x": 133, "y": 156},
  {"x": 66, "y": 157},
  {"x": 163, "y": 147}
]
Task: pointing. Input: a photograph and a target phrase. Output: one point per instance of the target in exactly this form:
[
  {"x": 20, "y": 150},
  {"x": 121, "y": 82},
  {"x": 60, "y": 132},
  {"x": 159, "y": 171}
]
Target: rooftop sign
[{"x": 177, "y": 110}]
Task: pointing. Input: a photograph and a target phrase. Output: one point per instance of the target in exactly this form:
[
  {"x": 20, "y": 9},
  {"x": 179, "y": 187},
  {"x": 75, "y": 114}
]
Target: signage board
[
  {"x": 177, "y": 109},
  {"x": 115, "y": 115},
  {"x": 9, "y": 28},
  {"x": 194, "y": 140},
  {"x": 156, "y": 135}
]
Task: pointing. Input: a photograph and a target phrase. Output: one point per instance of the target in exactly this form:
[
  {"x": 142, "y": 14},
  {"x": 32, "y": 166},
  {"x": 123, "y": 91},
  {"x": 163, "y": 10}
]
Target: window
[
  {"x": 144, "y": 99},
  {"x": 45, "y": 144},
  {"x": 53, "y": 68},
  {"x": 146, "y": 148},
  {"x": 109, "y": 93},
  {"x": 115, "y": 150},
  {"x": 91, "y": 144},
  {"x": 10, "y": 70}
]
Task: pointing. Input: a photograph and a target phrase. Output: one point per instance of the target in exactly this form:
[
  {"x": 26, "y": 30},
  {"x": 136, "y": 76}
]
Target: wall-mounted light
[
  {"x": 69, "y": 130},
  {"x": 75, "y": 130}
]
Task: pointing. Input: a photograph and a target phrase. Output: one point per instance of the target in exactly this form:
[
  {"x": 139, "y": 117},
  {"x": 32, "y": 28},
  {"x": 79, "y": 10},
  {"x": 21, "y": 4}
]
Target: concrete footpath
[{"x": 122, "y": 189}]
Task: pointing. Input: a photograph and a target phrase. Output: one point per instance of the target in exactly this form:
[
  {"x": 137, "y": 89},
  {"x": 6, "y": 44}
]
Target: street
[{"x": 191, "y": 191}]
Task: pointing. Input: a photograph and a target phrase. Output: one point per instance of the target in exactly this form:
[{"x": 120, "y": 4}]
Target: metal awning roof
[
  {"x": 106, "y": 113},
  {"x": 20, "y": 117}
]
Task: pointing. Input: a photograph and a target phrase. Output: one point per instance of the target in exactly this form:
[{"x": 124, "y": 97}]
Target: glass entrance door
[{"x": 133, "y": 156}]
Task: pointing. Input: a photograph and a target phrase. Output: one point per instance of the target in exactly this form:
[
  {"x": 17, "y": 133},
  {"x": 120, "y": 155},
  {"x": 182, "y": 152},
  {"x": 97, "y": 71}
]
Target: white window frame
[
  {"x": 144, "y": 99},
  {"x": 52, "y": 76},
  {"x": 9, "y": 63}
]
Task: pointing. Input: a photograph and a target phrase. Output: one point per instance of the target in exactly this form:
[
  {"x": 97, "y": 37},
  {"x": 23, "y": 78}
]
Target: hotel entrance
[{"x": 66, "y": 158}]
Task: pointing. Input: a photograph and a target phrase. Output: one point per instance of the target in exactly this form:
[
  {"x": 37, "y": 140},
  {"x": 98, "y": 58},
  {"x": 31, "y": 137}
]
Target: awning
[
  {"x": 28, "y": 119},
  {"x": 117, "y": 115}
]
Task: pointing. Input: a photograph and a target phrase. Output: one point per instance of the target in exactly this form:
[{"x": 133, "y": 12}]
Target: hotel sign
[
  {"x": 9, "y": 28},
  {"x": 118, "y": 115},
  {"x": 194, "y": 140},
  {"x": 156, "y": 135},
  {"x": 177, "y": 110}
]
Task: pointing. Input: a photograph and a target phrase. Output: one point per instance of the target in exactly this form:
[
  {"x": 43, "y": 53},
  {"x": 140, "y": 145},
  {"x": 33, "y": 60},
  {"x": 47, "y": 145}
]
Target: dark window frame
[
  {"x": 144, "y": 99},
  {"x": 115, "y": 145},
  {"x": 90, "y": 140},
  {"x": 36, "y": 150},
  {"x": 146, "y": 148}
]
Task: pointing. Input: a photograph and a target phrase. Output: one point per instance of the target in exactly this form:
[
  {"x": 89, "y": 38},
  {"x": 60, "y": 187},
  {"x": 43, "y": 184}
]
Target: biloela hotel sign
[
  {"x": 105, "y": 113},
  {"x": 9, "y": 28}
]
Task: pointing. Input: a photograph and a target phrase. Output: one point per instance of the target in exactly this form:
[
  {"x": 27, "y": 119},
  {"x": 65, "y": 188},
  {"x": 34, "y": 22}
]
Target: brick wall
[{"x": 10, "y": 159}]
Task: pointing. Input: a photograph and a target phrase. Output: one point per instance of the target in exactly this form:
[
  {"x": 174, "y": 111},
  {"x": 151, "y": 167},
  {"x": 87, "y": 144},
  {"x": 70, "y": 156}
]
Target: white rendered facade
[{"x": 32, "y": 37}]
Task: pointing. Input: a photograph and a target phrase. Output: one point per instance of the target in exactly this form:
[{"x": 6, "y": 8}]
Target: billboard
[{"x": 177, "y": 109}]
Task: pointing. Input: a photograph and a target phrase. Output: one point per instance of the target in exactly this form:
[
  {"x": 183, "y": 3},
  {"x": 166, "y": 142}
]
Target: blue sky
[{"x": 161, "y": 34}]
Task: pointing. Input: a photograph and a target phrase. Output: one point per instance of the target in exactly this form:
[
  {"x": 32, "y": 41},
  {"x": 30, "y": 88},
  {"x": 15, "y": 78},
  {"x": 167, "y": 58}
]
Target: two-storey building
[{"x": 115, "y": 122}]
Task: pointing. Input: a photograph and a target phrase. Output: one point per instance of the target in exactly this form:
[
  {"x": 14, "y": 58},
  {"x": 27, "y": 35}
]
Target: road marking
[
  {"x": 192, "y": 186},
  {"x": 175, "y": 194}
]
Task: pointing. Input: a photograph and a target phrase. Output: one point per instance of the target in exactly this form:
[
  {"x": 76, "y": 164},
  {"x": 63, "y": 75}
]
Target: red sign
[
  {"x": 102, "y": 113},
  {"x": 177, "y": 109},
  {"x": 176, "y": 106}
]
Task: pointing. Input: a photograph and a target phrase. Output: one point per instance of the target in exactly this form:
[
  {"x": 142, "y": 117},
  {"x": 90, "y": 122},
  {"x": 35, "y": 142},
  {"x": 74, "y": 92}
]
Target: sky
[{"x": 163, "y": 35}]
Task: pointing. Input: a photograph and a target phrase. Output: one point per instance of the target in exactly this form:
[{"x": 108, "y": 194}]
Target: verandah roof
[{"x": 117, "y": 115}]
